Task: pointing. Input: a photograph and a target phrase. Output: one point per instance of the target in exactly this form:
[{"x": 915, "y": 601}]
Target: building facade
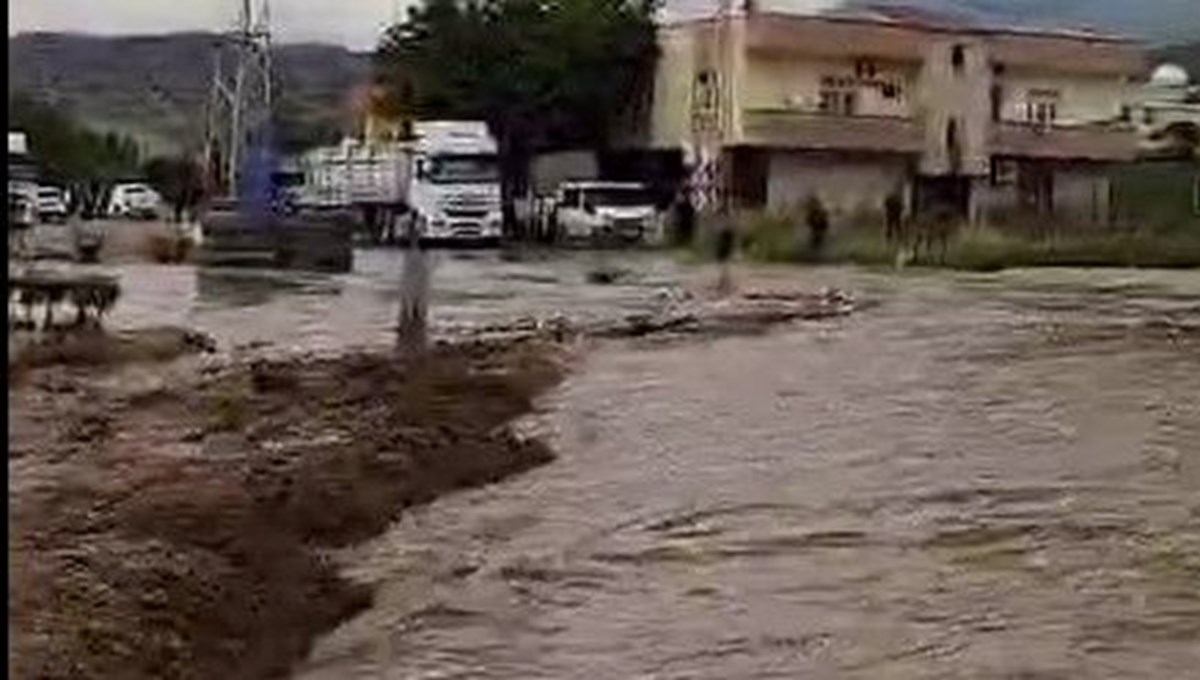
[{"x": 983, "y": 122}]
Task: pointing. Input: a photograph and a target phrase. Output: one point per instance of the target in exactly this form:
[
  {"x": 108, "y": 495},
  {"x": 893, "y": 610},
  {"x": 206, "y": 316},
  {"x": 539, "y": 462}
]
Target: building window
[
  {"x": 1041, "y": 112},
  {"x": 864, "y": 68},
  {"x": 997, "y": 95},
  {"x": 952, "y": 134},
  {"x": 1126, "y": 114},
  {"x": 838, "y": 101},
  {"x": 953, "y": 147},
  {"x": 1041, "y": 106},
  {"x": 706, "y": 91},
  {"x": 958, "y": 58}
]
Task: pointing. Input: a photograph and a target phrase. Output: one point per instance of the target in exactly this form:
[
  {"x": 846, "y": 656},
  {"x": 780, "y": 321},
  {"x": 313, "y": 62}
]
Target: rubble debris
[{"x": 144, "y": 545}]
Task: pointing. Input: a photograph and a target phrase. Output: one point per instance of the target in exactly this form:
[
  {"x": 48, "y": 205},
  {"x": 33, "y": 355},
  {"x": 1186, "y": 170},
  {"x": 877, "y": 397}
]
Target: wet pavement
[{"x": 983, "y": 476}]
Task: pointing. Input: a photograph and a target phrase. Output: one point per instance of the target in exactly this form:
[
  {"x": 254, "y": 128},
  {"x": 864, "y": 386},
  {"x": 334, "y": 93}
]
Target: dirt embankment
[{"x": 177, "y": 532}]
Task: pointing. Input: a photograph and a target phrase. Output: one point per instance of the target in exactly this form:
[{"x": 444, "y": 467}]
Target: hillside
[{"x": 155, "y": 87}]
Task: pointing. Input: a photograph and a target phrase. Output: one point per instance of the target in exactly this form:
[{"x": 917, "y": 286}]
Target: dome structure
[{"x": 1169, "y": 75}]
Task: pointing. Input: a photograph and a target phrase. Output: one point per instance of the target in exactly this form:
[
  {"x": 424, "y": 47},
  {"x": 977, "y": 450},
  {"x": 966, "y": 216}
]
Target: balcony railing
[
  {"x": 785, "y": 128},
  {"x": 1084, "y": 142}
]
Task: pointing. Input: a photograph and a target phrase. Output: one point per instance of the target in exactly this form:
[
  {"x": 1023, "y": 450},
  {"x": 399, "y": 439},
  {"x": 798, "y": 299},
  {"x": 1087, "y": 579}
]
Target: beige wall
[
  {"x": 1081, "y": 198},
  {"x": 1082, "y": 98},
  {"x": 669, "y": 119},
  {"x": 777, "y": 81},
  {"x": 1081, "y": 195},
  {"x": 962, "y": 95},
  {"x": 846, "y": 186}
]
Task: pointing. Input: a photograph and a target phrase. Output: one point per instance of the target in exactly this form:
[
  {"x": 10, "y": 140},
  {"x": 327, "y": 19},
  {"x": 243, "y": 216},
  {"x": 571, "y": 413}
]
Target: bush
[
  {"x": 770, "y": 237},
  {"x": 986, "y": 249}
]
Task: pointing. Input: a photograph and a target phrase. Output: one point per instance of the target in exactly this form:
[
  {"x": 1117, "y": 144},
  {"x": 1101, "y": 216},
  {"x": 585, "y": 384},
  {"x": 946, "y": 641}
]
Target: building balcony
[
  {"x": 1082, "y": 143},
  {"x": 790, "y": 129}
]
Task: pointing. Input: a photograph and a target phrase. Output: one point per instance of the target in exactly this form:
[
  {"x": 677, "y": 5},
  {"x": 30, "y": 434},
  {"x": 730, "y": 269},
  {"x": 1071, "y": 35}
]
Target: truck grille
[{"x": 465, "y": 213}]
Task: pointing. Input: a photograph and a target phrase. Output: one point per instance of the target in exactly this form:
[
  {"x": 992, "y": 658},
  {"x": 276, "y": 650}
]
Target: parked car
[
  {"x": 134, "y": 200},
  {"x": 608, "y": 212},
  {"x": 51, "y": 204}
]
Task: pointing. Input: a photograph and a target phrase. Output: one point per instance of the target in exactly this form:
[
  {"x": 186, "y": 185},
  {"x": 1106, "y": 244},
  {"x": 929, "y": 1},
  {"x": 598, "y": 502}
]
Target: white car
[
  {"x": 51, "y": 204},
  {"x": 134, "y": 200},
  {"x": 605, "y": 211}
]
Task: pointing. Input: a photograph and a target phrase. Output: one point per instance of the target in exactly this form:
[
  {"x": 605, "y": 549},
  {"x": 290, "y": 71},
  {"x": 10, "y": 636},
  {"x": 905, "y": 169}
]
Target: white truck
[
  {"x": 22, "y": 183},
  {"x": 444, "y": 182}
]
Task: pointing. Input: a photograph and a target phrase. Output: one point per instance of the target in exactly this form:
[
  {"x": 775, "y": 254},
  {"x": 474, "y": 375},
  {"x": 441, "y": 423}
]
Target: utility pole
[
  {"x": 240, "y": 97},
  {"x": 712, "y": 110}
]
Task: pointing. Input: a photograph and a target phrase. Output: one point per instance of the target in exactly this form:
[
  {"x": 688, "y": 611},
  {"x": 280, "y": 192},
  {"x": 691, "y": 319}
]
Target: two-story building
[{"x": 853, "y": 107}]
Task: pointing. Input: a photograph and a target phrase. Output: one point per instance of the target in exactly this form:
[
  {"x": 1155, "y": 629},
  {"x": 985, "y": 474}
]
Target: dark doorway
[
  {"x": 946, "y": 195},
  {"x": 1035, "y": 187},
  {"x": 749, "y": 180}
]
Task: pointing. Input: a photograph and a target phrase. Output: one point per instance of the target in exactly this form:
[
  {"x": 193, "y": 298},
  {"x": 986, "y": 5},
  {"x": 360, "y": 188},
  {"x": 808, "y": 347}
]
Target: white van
[
  {"x": 134, "y": 200},
  {"x": 621, "y": 211}
]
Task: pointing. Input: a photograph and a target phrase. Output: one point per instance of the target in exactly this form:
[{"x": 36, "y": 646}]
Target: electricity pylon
[{"x": 240, "y": 98}]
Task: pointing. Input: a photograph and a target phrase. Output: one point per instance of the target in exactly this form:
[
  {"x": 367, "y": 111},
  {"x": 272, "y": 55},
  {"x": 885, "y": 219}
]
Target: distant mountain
[
  {"x": 1157, "y": 21},
  {"x": 155, "y": 87}
]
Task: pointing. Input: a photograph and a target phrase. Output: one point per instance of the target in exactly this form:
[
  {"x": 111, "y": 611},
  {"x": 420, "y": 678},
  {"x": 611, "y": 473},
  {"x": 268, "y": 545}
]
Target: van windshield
[
  {"x": 616, "y": 197},
  {"x": 462, "y": 169}
]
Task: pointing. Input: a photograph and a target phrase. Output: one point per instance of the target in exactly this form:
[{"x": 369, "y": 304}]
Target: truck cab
[{"x": 455, "y": 190}]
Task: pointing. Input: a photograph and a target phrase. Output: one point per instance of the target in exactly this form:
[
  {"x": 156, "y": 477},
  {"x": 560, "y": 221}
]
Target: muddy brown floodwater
[{"x": 983, "y": 476}]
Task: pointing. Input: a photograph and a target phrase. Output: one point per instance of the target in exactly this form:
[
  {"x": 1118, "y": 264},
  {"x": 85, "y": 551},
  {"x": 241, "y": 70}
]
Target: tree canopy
[
  {"x": 542, "y": 73},
  {"x": 178, "y": 179},
  {"x": 66, "y": 151}
]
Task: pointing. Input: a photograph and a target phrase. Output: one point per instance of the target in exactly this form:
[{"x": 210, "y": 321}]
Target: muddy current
[{"x": 978, "y": 476}]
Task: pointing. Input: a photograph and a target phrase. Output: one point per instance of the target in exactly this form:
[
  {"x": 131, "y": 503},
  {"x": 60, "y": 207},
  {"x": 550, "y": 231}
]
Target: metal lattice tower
[
  {"x": 240, "y": 98},
  {"x": 711, "y": 174}
]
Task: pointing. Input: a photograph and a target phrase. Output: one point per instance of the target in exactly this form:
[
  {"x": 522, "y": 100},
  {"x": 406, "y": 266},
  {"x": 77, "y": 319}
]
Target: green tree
[
  {"x": 543, "y": 74},
  {"x": 69, "y": 153},
  {"x": 179, "y": 180}
]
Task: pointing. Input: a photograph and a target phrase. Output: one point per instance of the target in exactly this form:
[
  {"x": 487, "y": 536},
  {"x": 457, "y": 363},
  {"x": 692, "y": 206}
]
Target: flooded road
[
  {"x": 294, "y": 310},
  {"x": 983, "y": 476},
  {"x": 987, "y": 476}
]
